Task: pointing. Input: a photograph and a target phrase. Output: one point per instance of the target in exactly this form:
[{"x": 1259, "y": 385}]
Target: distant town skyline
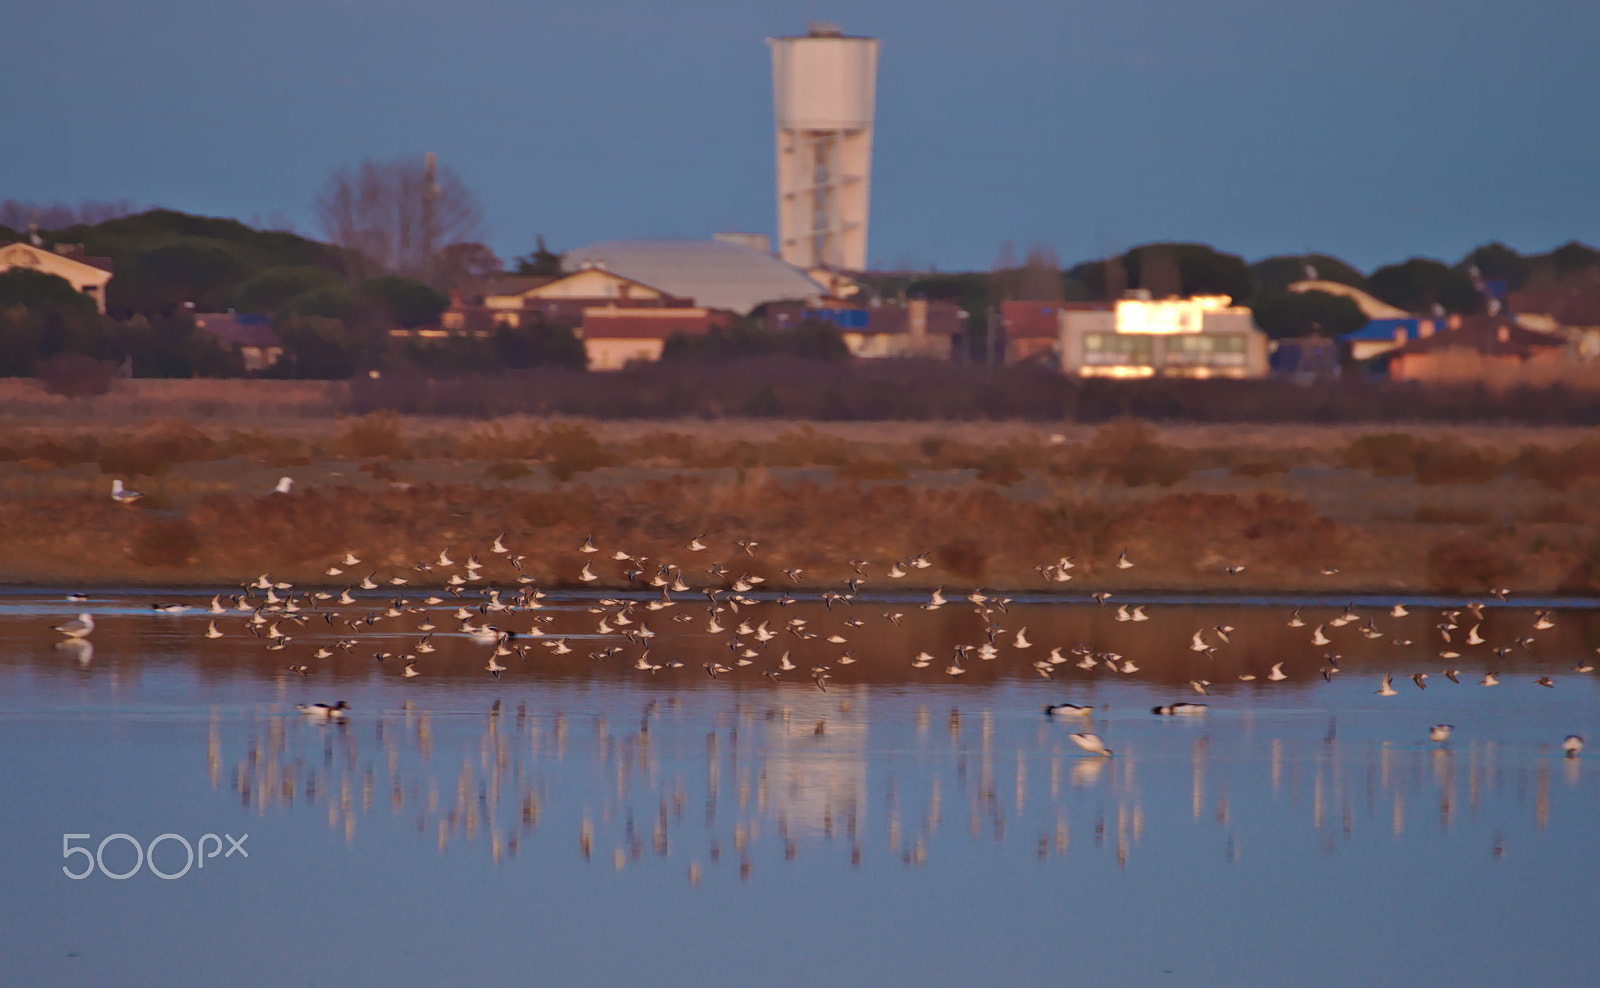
[{"x": 1372, "y": 131}]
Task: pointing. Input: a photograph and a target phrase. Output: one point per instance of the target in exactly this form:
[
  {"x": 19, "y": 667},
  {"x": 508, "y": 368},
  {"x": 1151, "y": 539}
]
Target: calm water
[{"x": 580, "y": 821}]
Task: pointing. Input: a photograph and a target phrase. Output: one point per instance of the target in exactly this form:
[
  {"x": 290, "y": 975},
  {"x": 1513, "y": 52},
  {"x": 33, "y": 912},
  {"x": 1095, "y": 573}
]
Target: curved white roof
[{"x": 715, "y": 274}]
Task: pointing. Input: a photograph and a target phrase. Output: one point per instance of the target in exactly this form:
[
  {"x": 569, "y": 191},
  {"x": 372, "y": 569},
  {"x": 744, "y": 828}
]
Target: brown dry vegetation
[{"x": 1413, "y": 509}]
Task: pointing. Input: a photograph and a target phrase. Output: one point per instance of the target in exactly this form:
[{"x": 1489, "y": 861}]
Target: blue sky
[{"x": 1370, "y": 129}]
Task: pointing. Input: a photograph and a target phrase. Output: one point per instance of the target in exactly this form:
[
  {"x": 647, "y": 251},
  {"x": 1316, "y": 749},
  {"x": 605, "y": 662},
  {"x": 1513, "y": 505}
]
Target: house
[
  {"x": 614, "y": 337},
  {"x": 563, "y": 300},
  {"x": 251, "y": 334},
  {"x": 915, "y": 328},
  {"x": 1203, "y": 336},
  {"x": 1571, "y": 309},
  {"x": 716, "y": 274},
  {"x": 85, "y": 274},
  {"x": 1380, "y": 336},
  {"x": 1033, "y": 329},
  {"x": 1484, "y": 341}
]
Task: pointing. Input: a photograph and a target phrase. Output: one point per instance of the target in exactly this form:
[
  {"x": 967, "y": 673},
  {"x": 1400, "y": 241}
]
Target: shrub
[
  {"x": 508, "y": 470},
  {"x": 1558, "y": 469},
  {"x": 868, "y": 468},
  {"x": 1451, "y": 462},
  {"x": 377, "y": 434},
  {"x": 1436, "y": 514},
  {"x": 571, "y": 449},
  {"x": 1468, "y": 564},
  {"x": 155, "y": 449},
  {"x": 166, "y": 542},
  {"x": 962, "y": 558},
  {"x": 1126, "y": 452},
  {"x": 552, "y": 509},
  {"x": 1386, "y": 454},
  {"x": 1258, "y": 468},
  {"x": 1001, "y": 467},
  {"x": 72, "y": 375}
]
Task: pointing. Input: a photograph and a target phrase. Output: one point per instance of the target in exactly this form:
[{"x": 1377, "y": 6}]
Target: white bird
[
  {"x": 1090, "y": 743},
  {"x": 1122, "y": 563},
  {"x": 350, "y": 560},
  {"x": 1473, "y": 638},
  {"x": 285, "y": 485},
  {"x": 1440, "y": 732},
  {"x": 1022, "y": 640},
  {"x": 1295, "y": 621},
  {"x": 1198, "y": 642},
  {"x": 1398, "y": 610},
  {"x": 1277, "y": 673},
  {"x": 410, "y": 671},
  {"x": 1180, "y": 710},
  {"x": 588, "y": 545},
  {"x": 212, "y": 631},
  {"x": 122, "y": 495},
  {"x": 1572, "y": 744},
  {"x": 1318, "y": 638},
  {"x": 499, "y": 546},
  {"x": 1067, "y": 710},
  {"x": 1387, "y": 689},
  {"x": 696, "y": 545},
  {"x": 80, "y": 627},
  {"x": 1490, "y": 679},
  {"x": 324, "y": 711},
  {"x": 587, "y": 575},
  {"x": 1139, "y": 614}
]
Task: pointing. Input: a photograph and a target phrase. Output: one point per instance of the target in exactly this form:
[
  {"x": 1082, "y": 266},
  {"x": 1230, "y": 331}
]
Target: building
[
  {"x": 1478, "y": 343},
  {"x": 715, "y": 274},
  {"x": 1033, "y": 329},
  {"x": 68, "y": 262},
  {"x": 614, "y": 337},
  {"x": 1203, "y": 336},
  {"x": 1571, "y": 310},
  {"x": 563, "y": 301},
  {"x": 1370, "y": 307},
  {"x": 1381, "y": 336},
  {"x": 250, "y": 334},
  {"x": 823, "y": 86}
]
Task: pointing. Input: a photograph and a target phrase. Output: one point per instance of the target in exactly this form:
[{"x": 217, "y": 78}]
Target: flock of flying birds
[{"x": 485, "y": 620}]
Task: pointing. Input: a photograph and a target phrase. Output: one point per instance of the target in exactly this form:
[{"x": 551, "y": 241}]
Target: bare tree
[
  {"x": 1041, "y": 276},
  {"x": 395, "y": 216}
]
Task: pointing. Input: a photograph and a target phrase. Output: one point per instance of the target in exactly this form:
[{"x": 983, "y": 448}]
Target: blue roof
[{"x": 1384, "y": 329}]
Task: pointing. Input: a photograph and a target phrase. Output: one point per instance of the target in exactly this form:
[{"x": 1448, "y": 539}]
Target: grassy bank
[{"x": 989, "y": 504}]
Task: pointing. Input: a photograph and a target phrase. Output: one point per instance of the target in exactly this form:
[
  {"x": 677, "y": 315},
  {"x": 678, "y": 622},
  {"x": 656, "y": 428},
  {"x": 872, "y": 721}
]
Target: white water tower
[{"x": 822, "y": 97}]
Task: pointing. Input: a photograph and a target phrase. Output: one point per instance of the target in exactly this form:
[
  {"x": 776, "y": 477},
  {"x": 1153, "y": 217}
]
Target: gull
[
  {"x": 1180, "y": 710},
  {"x": 325, "y": 711},
  {"x": 122, "y": 495},
  {"x": 1386, "y": 689},
  {"x": 587, "y": 575},
  {"x": 1490, "y": 679},
  {"x": 1090, "y": 743},
  {"x": 1277, "y": 673},
  {"x": 285, "y": 485},
  {"x": 1440, "y": 732},
  {"x": 1545, "y": 681},
  {"x": 1572, "y": 744},
  {"x": 1067, "y": 710},
  {"x": 80, "y": 627},
  {"x": 1123, "y": 563}
]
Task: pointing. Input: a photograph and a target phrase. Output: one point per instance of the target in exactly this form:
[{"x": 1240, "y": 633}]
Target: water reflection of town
[{"x": 797, "y": 774}]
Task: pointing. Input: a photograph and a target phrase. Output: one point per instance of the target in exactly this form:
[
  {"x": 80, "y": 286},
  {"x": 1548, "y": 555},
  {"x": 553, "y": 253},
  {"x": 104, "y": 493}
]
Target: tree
[
  {"x": 1286, "y": 315},
  {"x": 1497, "y": 262},
  {"x": 465, "y": 269},
  {"x": 1420, "y": 284},
  {"x": 542, "y": 262},
  {"x": 1274, "y": 274},
  {"x": 318, "y": 347},
  {"x": 271, "y": 288},
  {"x": 402, "y": 301},
  {"x": 536, "y": 343},
  {"x": 31, "y": 289},
  {"x": 395, "y": 216}
]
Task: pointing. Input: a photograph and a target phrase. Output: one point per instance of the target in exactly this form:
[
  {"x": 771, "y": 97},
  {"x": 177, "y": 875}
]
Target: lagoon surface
[{"x": 580, "y": 821}]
